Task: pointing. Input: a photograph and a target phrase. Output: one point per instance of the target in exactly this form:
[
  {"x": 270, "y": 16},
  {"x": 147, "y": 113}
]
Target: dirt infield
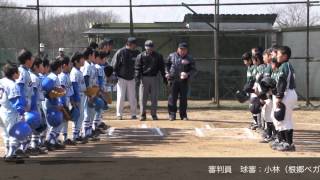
[{"x": 209, "y": 133}]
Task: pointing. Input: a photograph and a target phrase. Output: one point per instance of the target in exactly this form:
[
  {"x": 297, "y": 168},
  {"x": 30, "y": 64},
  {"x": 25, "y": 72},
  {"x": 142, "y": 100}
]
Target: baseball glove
[
  {"x": 92, "y": 91},
  {"x": 66, "y": 113},
  {"x": 106, "y": 97},
  {"x": 57, "y": 92}
]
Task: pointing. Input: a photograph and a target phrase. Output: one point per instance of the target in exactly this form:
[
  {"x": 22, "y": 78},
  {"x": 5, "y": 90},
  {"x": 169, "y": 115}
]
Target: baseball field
[{"x": 210, "y": 132}]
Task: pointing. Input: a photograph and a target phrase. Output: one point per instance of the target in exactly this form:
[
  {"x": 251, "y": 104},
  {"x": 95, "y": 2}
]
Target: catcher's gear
[
  {"x": 66, "y": 113},
  {"x": 54, "y": 117},
  {"x": 92, "y": 91},
  {"x": 56, "y": 92},
  {"x": 242, "y": 96},
  {"x": 21, "y": 131},
  {"x": 267, "y": 83},
  {"x": 255, "y": 105},
  {"x": 280, "y": 112},
  {"x": 33, "y": 119}
]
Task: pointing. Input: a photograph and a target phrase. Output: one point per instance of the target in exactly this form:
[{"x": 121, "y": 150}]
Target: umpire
[
  {"x": 148, "y": 64},
  {"x": 179, "y": 68}
]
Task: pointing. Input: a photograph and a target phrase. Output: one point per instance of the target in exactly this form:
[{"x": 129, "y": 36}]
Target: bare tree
[{"x": 294, "y": 15}]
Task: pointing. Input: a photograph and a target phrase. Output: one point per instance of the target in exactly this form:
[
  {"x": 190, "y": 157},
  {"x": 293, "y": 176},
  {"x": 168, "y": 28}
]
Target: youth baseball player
[
  {"x": 78, "y": 97},
  {"x": 11, "y": 110}
]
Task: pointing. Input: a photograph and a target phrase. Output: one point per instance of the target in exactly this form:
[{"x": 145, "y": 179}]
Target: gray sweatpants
[{"x": 148, "y": 86}]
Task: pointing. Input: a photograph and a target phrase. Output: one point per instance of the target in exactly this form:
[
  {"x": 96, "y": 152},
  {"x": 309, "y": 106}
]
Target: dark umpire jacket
[
  {"x": 174, "y": 66},
  {"x": 123, "y": 63},
  {"x": 149, "y": 65}
]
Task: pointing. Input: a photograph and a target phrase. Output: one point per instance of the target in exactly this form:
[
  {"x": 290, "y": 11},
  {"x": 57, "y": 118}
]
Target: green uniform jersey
[
  {"x": 285, "y": 78},
  {"x": 267, "y": 70},
  {"x": 250, "y": 74}
]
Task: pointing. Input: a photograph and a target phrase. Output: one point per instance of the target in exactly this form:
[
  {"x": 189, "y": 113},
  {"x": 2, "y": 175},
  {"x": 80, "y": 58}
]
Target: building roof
[
  {"x": 196, "y": 23},
  {"x": 232, "y": 18},
  {"x": 302, "y": 28}
]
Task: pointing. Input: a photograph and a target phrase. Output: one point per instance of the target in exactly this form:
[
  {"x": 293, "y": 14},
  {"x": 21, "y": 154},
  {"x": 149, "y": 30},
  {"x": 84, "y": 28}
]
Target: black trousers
[{"x": 178, "y": 89}]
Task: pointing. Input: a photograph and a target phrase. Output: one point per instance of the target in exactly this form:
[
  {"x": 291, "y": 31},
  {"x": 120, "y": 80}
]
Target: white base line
[
  {"x": 199, "y": 132},
  {"x": 250, "y": 133},
  {"x": 110, "y": 131},
  {"x": 159, "y": 131},
  {"x": 310, "y": 124},
  {"x": 144, "y": 126},
  {"x": 208, "y": 126}
]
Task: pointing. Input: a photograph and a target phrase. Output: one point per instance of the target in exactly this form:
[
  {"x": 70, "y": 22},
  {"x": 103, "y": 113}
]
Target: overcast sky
[{"x": 167, "y": 14}]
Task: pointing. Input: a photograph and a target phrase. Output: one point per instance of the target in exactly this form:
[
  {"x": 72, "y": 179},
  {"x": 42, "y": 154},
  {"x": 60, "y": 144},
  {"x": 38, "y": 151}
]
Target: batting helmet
[
  {"x": 47, "y": 84},
  {"x": 21, "y": 130},
  {"x": 280, "y": 112},
  {"x": 75, "y": 114},
  {"x": 54, "y": 117},
  {"x": 241, "y": 96},
  {"x": 255, "y": 105},
  {"x": 33, "y": 119}
]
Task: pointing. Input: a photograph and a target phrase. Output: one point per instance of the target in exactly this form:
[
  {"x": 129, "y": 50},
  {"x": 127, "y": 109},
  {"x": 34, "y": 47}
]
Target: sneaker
[
  {"x": 286, "y": 147},
  {"x": 59, "y": 146},
  {"x": 143, "y": 118},
  {"x": 103, "y": 126},
  {"x": 266, "y": 140},
  {"x": 172, "y": 118},
  {"x": 98, "y": 131},
  {"x": 119, "y": 117},
  {"x": 184, "y": 119},
  {"x": 13, "y": 158},
  {"x": 82, "y": 140},
  {"x": 93, "y": 138},
  {"x": 69, "y": 142},
  {"x": 155, "y": 118},
  {"x": 32, "y": 151},
  {"x": 275, "y": 144},
  {"x": 21, "y": 154},
  {"x": 253, "y": 126},
  {"x": 49, "y": 146},
  {"x": 42, "y": 150},
  {"x": 134, "y": 117}
]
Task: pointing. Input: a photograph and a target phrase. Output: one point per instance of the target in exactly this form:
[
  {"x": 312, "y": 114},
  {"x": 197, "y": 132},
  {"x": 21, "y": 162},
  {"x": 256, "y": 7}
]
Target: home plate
[
  {"x": 134, "y": 132},
  {"x": 228, "y": 133}
]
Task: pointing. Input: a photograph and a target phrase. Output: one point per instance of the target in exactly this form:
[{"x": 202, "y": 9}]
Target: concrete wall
[{"x": 297, "y": 42}]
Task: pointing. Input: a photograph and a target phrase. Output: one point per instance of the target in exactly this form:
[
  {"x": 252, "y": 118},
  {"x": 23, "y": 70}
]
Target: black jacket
[
  {"x": 149, "y": 65},
  {"x": 123, "y": 63},
  {"x": 174, "y": 66}
]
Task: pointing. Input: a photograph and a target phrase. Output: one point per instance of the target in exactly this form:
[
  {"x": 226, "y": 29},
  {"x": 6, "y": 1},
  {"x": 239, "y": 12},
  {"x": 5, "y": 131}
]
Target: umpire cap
[
  {"x": 255, "y": 105},
  {"x": 280, "y": 112}
]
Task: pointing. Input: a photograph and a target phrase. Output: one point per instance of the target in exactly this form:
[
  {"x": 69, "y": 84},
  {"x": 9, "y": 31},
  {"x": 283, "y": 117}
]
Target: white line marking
[
  {"x": 110, "y": 131},
  {"x": 310, "y": 124},
  {"x": 144, "y": 126},
  {"x": 208, "y": 126},
  {"x": 250, "y": 134},
  {"x": 199, "y": 132},
  {"x": 159, "y": 131}
]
